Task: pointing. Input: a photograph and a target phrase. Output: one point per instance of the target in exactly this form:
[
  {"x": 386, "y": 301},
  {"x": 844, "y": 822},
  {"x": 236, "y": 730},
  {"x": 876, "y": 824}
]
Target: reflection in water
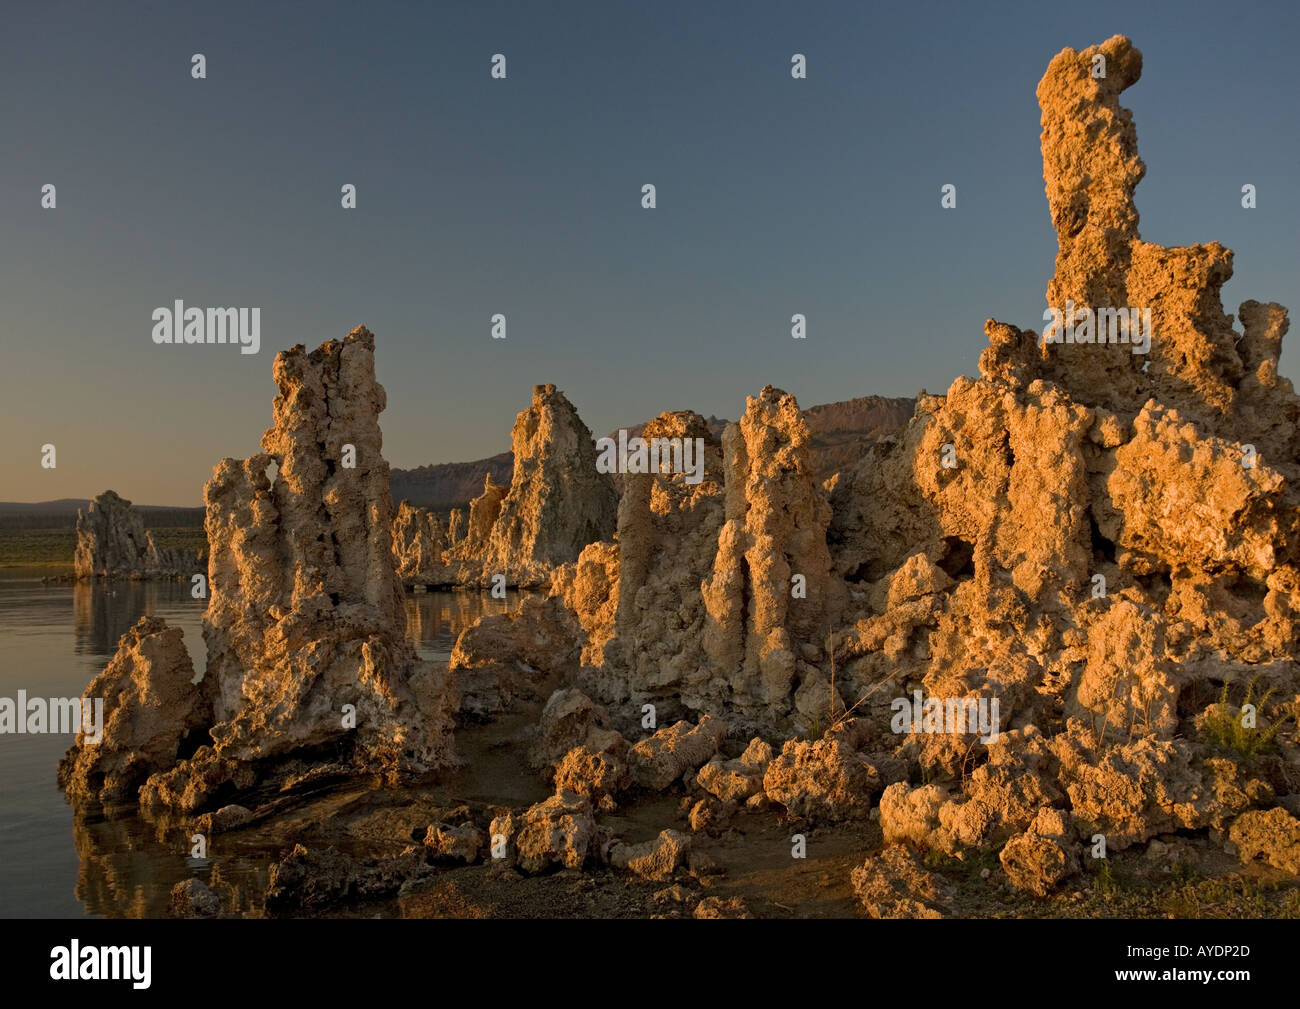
[
  {"x": 129, "y": 863},
  {"x": 125, "y": 872},
  {"x": 102, "y": 612},
  {"x": 435, "y": 619}
]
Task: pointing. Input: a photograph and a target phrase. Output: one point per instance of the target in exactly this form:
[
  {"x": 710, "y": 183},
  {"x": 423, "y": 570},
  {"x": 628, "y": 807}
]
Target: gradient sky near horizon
[{"x": 477, "y": 196}]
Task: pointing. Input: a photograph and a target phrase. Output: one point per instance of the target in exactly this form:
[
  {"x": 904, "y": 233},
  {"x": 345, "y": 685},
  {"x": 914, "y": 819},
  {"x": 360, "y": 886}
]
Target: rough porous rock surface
[
  {"x": 541, "y": 532},
  {"x": 737, "y": 780},
  {"x": 911, "y": 815},
  {"x": 112, "y": 543},
  {"x": 655, "y": 859},
  {"x": 306, "y": 614},
  {"x": 1272, "y": 835},
  {"x": 894, "y": 884},
  {"x": 506, "y": 656},
  {"x": 559, "y": 831},
  {"x": 672, "y": 751},
  {"x": 1044, "y": 855},
  {"x": 1082, "y": 545},
  {"x": 457, "y": 524},
  {"x": 420, "y": 541},
  {"x": 718, "y": 594},
  {"x": 588, "y": 588},
  {"x": 598, "y": 774},
  {"x": 825, "y": 780},
  {"x": 771, "y": 596},
  {"x": 1072, "y": 461},
  {"x": 1098, "y": 539},
  {"x": 483, "y": 513},
  {"x": 305, "y": 624},
  {"x": 1133, "y": 792},
  {"x": 558, "y": 502},
  {"x": 152, "y": 709},
  {"x": 720, "y": 907},
  {"x": 205, "y": 780},
  {"x": 455, "y": 842},
  {"x": 225, "y": 819},
  {"x": 644, "y": 632}
]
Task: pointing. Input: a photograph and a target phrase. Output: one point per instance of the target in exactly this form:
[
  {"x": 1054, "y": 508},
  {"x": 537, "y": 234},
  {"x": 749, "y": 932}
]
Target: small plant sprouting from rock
[
  {"x": 1105, "y": 884},
  {"x": 1230, "y": 731},
  {"x": 845, "y": 713}
]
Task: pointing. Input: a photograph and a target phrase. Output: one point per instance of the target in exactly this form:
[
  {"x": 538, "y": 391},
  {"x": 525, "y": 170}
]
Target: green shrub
[{"x": 1225, "y": 729}]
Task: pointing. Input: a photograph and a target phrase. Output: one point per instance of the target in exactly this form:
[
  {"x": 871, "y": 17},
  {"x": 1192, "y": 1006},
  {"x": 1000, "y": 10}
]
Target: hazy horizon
[{"x": 523, "y": 196}]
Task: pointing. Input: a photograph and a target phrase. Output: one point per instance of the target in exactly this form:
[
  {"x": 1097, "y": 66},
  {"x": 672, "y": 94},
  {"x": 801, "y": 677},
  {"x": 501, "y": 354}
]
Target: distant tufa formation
[
  {"x": 309, "y": 671},
  {"x": 556, "y": 504},
  {"x": 112, "y": 544}
]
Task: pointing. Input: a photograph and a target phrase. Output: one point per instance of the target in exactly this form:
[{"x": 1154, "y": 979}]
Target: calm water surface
[{"x": 53, "y": 640}]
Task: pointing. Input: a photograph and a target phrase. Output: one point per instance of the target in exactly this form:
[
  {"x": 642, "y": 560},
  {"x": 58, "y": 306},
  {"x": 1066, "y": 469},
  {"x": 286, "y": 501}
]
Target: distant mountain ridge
[
  {"x": 62, "y": 514},
  {"x": 442, "y": 486},
  {"x": 841, "y": 431}
]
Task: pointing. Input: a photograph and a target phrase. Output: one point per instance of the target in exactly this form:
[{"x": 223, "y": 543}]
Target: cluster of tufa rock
[
  {"x": 112, "y": 543},
  {"x": 1085, "y": 545},
  {"x": 1116, "y": 540},
  {"x": 309, "y": 671},
  {"x": 1086, "y": 541},
  {"x": 557, "y": 503},
  {"x": 714, "y": 596}
]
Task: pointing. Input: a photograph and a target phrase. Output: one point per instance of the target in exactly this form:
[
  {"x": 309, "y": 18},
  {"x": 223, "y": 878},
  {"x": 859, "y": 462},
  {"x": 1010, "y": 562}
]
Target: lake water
[{"x": 53, "y": 640}]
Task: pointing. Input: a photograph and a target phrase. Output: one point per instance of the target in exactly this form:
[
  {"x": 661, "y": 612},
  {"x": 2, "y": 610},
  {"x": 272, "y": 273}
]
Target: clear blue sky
[{"x": 522, "y": 196}]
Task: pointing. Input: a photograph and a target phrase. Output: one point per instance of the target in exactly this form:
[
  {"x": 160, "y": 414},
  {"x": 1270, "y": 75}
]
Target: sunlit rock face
[
  {"x": 309, "y": 670},
  {"x": 558, "y": 500},
  {"x": 306, "y": 618}
]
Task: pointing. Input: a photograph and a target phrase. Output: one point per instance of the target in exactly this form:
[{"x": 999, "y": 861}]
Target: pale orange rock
[
  {"x": 771, "y": 589},
  {"x": 1273, "y": 835},
  {"x": 305, "y": 624},
  {"x": 894, "y": 884},
  {"x": 420, "y": 541},
  {"x": 150, "y": 708},
  {"x": 1113, "y": 530},
  {"x": 306, "y": 614},
  {"x": 557, "y": 503},
  {"x": 483, "y": 513}
]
